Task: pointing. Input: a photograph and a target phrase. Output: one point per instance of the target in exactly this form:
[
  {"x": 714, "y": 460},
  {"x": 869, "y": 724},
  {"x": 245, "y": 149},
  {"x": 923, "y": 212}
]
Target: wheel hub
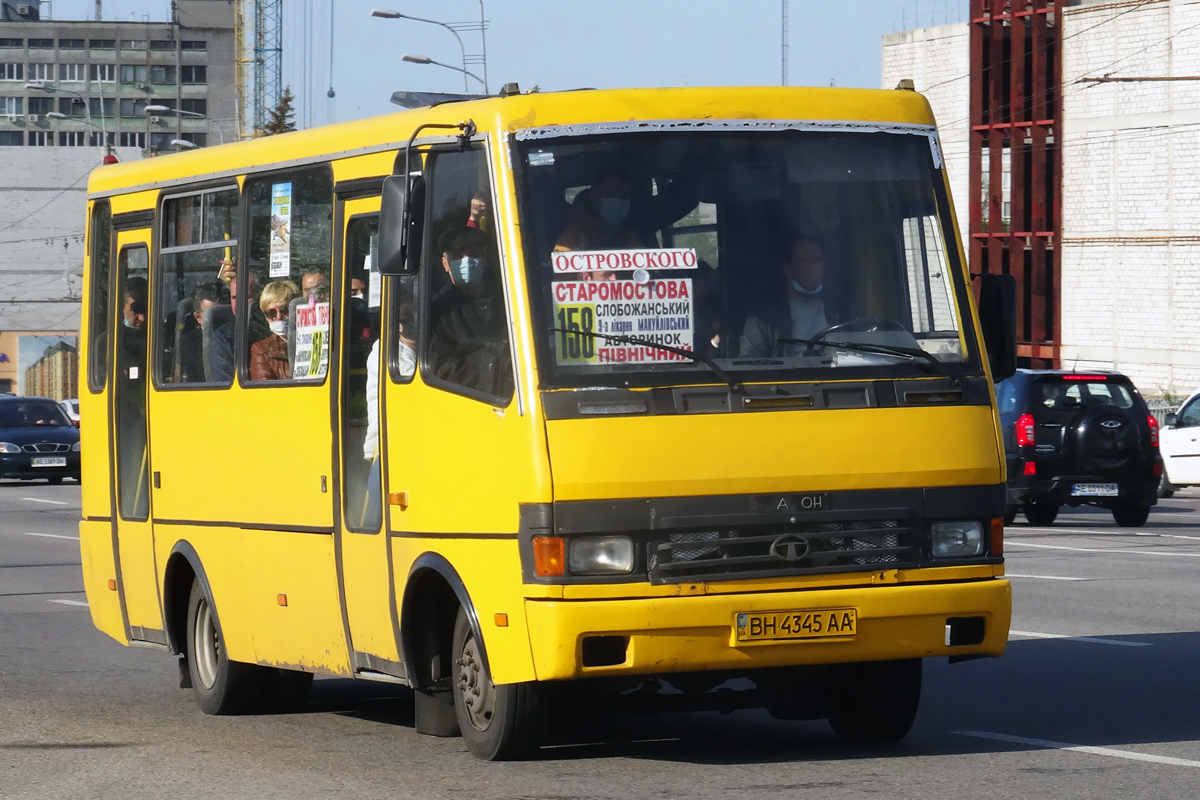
[
  {"x": 206, "y": 648},
  {"x": 475, "y": 688}
]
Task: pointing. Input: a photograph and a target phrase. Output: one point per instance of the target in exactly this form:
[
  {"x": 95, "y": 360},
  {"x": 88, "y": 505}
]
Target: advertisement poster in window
[
  {"x": 312, "y": 342},
  {"x": 281, "y": 230}
]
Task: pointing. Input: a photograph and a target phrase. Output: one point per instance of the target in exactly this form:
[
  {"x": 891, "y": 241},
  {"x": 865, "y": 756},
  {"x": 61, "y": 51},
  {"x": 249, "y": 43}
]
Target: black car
[
  {"x": 1078, "y": 438},
  {"x": 37, "y": 440}
]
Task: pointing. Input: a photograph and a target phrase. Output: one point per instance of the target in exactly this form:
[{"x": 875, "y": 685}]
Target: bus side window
[
  {"x": 193, "y": 315},
  {"x": 101, "y": 251},
  {"x": 287, "y": 281},
  {"x": 467, "y": 349}
]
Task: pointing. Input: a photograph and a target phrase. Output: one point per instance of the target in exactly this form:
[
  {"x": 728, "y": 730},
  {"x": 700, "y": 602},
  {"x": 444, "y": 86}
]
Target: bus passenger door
[
  {"x": 135, "y": 540},
  {"x": 363, "y": 552}
]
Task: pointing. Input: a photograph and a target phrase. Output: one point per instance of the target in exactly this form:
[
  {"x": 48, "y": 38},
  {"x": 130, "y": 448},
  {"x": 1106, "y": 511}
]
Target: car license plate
[
  {"x": 1094, "y": 490},
  {"x": 49, "y": 461},
  {"x": 820, "y": 623}
]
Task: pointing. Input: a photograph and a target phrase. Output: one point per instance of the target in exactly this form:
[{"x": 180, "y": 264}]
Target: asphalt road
[{"x": 1097, "y": 696}]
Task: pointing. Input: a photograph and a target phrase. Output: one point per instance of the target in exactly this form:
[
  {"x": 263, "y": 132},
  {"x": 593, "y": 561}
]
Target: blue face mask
[
  {"x": 613, "y": 210},
  {"x": 129, "y": 324},
  {"x": 466, "y": 270},
  {"x": 809, "y": 292}
]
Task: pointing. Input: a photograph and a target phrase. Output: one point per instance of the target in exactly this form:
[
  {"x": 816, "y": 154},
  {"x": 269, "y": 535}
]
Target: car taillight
[
  {"x": 1025, "y": 430},
  {"x": 1030, "y": 468},
  {"x": 1153, "y": 430}
]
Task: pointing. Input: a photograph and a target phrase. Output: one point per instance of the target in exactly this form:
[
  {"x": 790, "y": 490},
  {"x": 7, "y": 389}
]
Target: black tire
[
  {"x": 285, "y": 691},
  {"x": 498, "y": 723},
  {"x": 1010, "y": 515},
  {"x": 1165, "y": 487},
  {"x": 54, "y": 481},
  {"x": 1042, "y": 513},
  {"x": 1131, "y": 515},
  {"x": 874, "y": 702},
  {"x": 221, "y": 686}
]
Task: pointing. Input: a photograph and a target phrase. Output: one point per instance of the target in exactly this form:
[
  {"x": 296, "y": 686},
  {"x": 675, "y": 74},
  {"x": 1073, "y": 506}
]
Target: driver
[{"x": 806, "y": 315}]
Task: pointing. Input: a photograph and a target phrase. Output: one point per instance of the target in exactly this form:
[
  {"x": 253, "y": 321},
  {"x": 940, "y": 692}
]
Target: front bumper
[
  {"x": 20, "y": 466},
  {"x": 696, "y": 633}
]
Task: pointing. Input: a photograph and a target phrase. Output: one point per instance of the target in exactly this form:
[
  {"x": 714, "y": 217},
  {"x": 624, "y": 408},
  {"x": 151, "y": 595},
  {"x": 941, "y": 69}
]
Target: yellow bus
[{"x": 550, "y": 399}]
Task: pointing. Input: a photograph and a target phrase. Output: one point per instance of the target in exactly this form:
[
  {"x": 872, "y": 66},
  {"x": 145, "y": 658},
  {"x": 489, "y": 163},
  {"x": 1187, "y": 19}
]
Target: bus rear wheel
[
  {"x": 874, "y": 702},
  {"x": 221, "y": 686},
  {"x": 498, "y": 723}
]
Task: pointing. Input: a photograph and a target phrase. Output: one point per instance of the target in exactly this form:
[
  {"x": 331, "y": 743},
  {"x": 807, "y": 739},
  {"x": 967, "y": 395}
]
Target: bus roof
[{"x": 514, "y": 113}]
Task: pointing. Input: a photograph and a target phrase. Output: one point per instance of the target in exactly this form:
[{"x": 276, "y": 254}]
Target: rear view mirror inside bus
[{"x": 401, "y": 221}]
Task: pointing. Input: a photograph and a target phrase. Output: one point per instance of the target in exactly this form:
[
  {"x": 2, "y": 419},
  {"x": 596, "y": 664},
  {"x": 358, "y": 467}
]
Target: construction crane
[{"x": 258, "y": 68}]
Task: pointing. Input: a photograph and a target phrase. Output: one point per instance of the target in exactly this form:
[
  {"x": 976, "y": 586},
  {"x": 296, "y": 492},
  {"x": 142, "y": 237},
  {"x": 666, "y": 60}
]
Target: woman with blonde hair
[{"x": 269, "y": 357}]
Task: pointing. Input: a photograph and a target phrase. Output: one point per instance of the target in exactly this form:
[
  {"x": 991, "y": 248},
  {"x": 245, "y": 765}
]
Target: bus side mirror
[
  {"x": 998, "y": 318},
  {"x": 401, "y": 222}
]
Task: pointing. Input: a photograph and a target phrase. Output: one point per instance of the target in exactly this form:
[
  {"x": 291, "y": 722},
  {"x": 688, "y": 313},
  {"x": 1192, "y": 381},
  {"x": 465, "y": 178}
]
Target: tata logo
[
  {"x": 790, "y": 548},
  {"x": 1111, "y": 423}
]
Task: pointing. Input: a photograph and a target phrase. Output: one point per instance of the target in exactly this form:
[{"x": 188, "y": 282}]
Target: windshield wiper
[
  {"x": 911, "y": 353},
  {"x": 700, "y": 358}
]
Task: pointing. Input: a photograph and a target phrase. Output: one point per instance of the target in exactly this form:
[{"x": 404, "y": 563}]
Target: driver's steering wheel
[{"x": 861, "y": 325}]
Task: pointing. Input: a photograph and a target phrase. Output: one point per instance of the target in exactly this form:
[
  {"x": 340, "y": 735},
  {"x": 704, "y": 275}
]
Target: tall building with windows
[{"x": 72, "y": 91}]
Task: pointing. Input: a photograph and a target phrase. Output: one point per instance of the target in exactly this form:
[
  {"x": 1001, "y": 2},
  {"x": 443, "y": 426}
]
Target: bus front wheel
[
  {"x": 221, "y": 686},
  {"x": 874, "y": 702},
  {"x": 498, "y": 723}
]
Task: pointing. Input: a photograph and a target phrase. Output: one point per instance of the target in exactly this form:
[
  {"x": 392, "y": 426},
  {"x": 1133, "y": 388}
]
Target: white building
[{"x": 1130, "y": 293}]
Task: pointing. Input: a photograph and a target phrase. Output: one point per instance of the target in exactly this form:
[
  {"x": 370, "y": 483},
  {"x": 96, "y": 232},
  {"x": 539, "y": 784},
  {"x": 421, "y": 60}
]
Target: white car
[
  {"x": 71, "y": 407},
  {"x": 1179, "y": 444}
]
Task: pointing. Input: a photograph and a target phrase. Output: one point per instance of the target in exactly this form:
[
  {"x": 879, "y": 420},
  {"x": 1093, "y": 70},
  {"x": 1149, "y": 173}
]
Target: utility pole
[{"x": 783, "y": 47}]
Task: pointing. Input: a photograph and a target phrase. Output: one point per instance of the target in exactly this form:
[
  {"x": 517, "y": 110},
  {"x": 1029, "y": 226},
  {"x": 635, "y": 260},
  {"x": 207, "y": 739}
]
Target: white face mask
[
  {"x": 279, "y": 327},
  {"x": 809, "y": 292}
]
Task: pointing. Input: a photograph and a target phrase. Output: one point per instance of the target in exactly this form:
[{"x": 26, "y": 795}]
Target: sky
[{"x": 568, "y": 44}]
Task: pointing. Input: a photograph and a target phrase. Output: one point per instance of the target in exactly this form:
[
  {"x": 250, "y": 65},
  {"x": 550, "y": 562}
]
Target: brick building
[{"x": 1120, "y": 287}]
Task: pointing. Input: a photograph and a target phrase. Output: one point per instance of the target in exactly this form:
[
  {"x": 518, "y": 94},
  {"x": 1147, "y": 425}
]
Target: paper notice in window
[
  {"x": 374, "y": 283},
  {"x": 312, "y": 342},
  {"x": 658, "y": 311},
  {"x": 575, "y": 262},
  {"x": 281, "y": 230}
]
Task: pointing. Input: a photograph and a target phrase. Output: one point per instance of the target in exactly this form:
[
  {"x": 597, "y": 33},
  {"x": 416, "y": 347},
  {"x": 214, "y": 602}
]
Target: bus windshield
[{"x": 771, "y": 255}]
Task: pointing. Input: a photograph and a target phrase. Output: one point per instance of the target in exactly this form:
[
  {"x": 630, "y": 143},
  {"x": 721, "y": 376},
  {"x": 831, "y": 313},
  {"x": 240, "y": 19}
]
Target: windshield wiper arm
[
  {"x": 911, "y": 353},
  {"x": 691, "y": 355}
]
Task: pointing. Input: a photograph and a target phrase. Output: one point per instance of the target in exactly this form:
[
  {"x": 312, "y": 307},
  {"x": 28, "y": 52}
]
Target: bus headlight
[
  {"x": 601, "y": 555},
  {"x": 956, "y": 539},
  {"x": 9, "y": 447}
]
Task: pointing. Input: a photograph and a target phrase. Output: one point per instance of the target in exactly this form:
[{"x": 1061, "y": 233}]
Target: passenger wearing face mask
[
  {"x": 269, "y": 357},
  {"x": 805, "y": 313},
  {"x": 468, "y": 342},
  {"x": 599, "y": 218}
]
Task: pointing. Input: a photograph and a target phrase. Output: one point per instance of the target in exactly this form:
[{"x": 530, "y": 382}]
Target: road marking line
[
  {"x": 51, "y": 502},
  {"x": 1097, "y": 550},
  {"x": 1044, "y": 577},
  {"x": 69, "y": 603},
  {"x": 1079, "y": 748},
  {"x": 53, "y": 536},
  {"x": 1092, "y": 640},
  {"x": 1100, "y": 532}
]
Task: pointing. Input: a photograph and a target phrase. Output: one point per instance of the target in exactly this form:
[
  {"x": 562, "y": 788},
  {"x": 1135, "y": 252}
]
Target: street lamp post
[
  {"x": 384, "y": 13},
  {"x": 87, "y": 109},
  {"x": 156, "y": 109},
  {"x": 418, "y": 59}
]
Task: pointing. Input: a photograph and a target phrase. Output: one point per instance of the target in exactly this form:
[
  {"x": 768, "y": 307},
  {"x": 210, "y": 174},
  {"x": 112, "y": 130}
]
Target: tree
[{"x": 279, "y": 118}]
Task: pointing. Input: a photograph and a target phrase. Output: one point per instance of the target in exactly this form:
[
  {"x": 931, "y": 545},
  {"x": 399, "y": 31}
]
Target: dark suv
[{"x": 1078, "y": 438}]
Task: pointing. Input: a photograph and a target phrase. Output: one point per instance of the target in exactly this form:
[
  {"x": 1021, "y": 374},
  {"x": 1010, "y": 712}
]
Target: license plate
[
  {"x": 49, "y": 461},
  {"x": 823, "y": 623},
  {"x": 1094, "y": 490}
]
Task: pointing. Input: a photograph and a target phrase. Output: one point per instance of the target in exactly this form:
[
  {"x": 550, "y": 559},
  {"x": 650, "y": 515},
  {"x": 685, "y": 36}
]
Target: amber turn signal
[
  {"x": 501, "y": 620},
  {"x": 112, "y": 585},
  {"x": 281, "y": 599},
  {"x": 549, "y": 556},
  {"x": 996, "y": 545}
]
